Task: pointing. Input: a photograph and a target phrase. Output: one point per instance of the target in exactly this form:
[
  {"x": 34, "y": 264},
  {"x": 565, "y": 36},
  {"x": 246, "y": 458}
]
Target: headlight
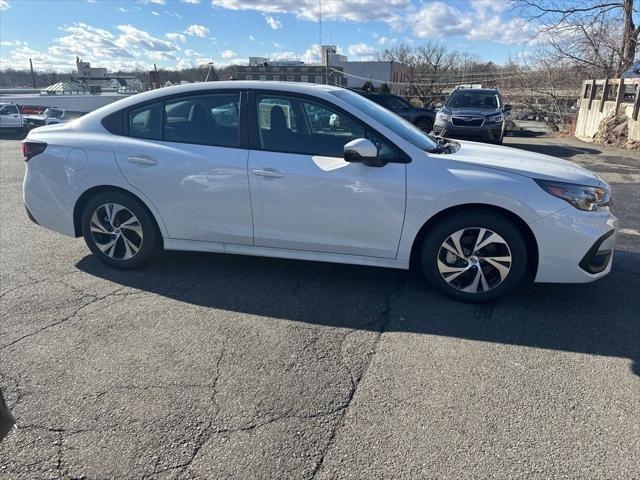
[
  {"x": 583, "y": 197},
  {"x": 495, "y": 118},
  {"x": 443, "y": 116}
]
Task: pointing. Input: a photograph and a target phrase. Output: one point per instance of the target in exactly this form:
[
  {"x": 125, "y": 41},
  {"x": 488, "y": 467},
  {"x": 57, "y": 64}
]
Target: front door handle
[
  {"x": 268, "y": 172},
  {"x": 141, "y": 160}
]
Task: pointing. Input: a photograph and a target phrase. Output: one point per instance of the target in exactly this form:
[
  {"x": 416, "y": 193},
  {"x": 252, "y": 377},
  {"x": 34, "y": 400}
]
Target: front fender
[{"x": 431, "y": 191}]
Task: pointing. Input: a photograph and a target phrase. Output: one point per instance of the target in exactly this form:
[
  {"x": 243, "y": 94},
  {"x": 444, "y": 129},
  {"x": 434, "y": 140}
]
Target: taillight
[{"x": 31, "y": 149}]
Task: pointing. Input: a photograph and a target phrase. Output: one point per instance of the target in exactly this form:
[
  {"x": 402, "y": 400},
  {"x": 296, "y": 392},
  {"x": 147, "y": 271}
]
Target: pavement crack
[
  {"x": 75, "y": 313},
  {"x": 390, "y": 298}
]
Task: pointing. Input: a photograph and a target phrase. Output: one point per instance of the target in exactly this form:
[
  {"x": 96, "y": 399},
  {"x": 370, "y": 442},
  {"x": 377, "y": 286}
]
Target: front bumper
[
  {"x": 575, "y": 246},
  {"x": 489, "y": 132}
]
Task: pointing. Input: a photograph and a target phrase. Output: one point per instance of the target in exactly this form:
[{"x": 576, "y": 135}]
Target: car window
[
  {"x": 301, "y": 126},
  {"x": 212, "y": 119},
  {"x": 395, "y": 103},
  {"x": 393, "y": 122},
  {"x": 9, "y": 110},
  {"x": 266, "y": 108},
  {"x": 146, "y": 122},
  {"x": 474, "y": 99}
]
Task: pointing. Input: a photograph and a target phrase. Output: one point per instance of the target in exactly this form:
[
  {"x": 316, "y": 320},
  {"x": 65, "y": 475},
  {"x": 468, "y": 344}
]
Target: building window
[
  {"x": 276, "y": 77},
  {"x": 304, "y": 78},
  {"x": 289, "y": 78},
  {"x": 319, "y": 79},
  {"x": 249, "y": 77},
  {"x": 263, "y": 77}
]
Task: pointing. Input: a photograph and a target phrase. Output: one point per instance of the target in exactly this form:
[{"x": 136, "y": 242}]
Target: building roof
[{"x": 64, "y": 88}]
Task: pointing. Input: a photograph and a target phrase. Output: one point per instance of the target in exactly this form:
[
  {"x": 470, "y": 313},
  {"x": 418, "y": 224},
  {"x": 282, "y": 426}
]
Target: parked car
[
  {"x": 134, "y": 179},
  {"x": 633, "y": 71},
  {"x": 473, "y": 113},
  {"x": 10, "y": 117},
  {"x": 50, "y": 116},
  {"x": 422, "y": 118}
]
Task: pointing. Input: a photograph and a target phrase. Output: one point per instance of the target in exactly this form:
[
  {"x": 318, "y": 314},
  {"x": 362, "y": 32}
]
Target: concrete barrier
[{"x": 609, "y": 97}]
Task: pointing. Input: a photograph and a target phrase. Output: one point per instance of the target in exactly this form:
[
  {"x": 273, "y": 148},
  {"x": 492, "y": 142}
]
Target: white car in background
[
  {"x": 249, "y": 168},
  {"x": 10, "y": 117},
  {"x": 51, "y": 116}
]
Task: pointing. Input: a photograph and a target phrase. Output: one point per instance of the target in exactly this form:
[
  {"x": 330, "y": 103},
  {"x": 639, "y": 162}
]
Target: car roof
[
  {"x": 159, "y": 93},
  {"x": 484, "y": 90}
]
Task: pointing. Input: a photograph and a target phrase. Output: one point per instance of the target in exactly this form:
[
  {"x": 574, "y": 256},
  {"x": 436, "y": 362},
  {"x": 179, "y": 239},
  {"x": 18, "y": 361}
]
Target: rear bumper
[{"x": 575, "y": 246}]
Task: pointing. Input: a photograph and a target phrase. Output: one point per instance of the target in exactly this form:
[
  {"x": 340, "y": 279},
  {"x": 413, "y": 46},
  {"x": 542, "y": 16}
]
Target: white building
[{"x": 357, "y": 73}]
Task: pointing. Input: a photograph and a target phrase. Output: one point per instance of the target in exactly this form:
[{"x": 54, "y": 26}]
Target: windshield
[
  {"x": 476, "y": 99},
  {"x": 396, "y": 124}
]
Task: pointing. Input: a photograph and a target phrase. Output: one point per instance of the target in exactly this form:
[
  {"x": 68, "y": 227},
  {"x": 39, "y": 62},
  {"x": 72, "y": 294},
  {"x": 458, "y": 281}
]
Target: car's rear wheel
[
  {"x": 119, "y": 230},
  {"x": 424, "y": 124},
  {"x": 477, "y": 256}
]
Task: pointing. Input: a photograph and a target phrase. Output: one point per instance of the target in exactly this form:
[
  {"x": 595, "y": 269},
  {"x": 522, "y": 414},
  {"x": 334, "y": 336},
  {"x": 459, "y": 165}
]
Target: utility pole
[{"x": 33, "y": 76}]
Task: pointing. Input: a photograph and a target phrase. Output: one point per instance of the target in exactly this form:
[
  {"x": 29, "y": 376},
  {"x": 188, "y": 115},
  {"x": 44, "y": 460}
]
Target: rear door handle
[
  {"x": 268, "y": 172},
  {"x": 141, "y": 160}
]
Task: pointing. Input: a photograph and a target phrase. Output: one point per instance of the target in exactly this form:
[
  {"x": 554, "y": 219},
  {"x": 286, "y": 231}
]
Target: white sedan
[{"x": 260, "y": 168}]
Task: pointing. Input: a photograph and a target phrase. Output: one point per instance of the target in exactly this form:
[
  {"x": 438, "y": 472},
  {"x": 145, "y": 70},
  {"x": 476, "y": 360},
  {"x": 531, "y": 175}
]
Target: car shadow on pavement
[{"x": 600, "y": 318}]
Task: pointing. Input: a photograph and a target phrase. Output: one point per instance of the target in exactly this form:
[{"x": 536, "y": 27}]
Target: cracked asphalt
[{"x": 213, "y": 366}]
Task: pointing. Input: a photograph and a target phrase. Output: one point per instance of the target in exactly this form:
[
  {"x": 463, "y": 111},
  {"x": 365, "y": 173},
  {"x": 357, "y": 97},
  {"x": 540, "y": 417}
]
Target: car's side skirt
[{"x": 198, "y": 246}]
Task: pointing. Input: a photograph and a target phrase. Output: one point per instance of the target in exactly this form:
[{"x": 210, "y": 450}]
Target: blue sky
[{"x": 180, "y": 33}]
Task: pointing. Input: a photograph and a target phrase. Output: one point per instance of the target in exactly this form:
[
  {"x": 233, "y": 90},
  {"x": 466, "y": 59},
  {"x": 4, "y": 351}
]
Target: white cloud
[
  {"x": 197, "y": 31},
  {"x": 134, "y": 37},
  {"x": 6, "y": 43},
  {"x": 176, "y": 37},
  {"x": 361, "y": 50},
  {"x": 252, "y": 38},
  {"x": 276, "y": 45},
  {"x": 389, "y": 11},
  {"x": 228, "y": 54},
  {"x": 386, "y": 41},
  {"x": 273, "y": 22},
  {"x": 192, "y": 2},
  {"x": 4, "y": 5},
  {"x": 485, "y": 21},
  {"x": 153, "y": 12},
  {"x": 311, "y": 54},
  {"x": 157, "y": 2}
]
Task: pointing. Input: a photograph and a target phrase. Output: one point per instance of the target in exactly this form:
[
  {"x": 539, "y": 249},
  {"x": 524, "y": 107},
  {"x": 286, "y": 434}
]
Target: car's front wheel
[
  {"x": 119, "y": 230},
  {"x": 476, "y": 256}
]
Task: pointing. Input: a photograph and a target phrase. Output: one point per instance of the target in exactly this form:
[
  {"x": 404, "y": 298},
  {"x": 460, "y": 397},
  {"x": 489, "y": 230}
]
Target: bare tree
[
  {"x": 601, "y": 36},
  {"x": 430, "y": 68}
]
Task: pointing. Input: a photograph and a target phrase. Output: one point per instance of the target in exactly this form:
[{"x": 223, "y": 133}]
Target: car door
[
  {"x": 305, "y": 196},
  {"x": 10, "y": 117},
  {"x": 188, "y": 155}
]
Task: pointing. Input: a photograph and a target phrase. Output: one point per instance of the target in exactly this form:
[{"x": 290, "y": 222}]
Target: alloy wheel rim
[
  {"x": 116, "y": 231},
  {"x": 474, "y": 260}
]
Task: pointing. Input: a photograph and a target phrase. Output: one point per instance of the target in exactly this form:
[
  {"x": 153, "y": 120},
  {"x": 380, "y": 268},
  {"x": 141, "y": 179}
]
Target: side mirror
[
  {"x": 360, "y": 150},
  {"x": 507, "y": 108}
]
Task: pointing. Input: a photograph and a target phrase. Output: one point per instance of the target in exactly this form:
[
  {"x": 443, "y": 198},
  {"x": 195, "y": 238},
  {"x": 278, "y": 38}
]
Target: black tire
[
  {"x": 471, "y": 221},
  {"x": 424, "y": 124},
  {"x": 148, "y": 243}
]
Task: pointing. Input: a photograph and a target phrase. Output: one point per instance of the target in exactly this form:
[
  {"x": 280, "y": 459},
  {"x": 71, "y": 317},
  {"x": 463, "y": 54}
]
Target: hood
[
  {"x": 474, "y": 111},
  {"x": 533, "y": 165}
]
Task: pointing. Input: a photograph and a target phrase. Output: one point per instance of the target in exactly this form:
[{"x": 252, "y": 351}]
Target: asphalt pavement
[{"x": 214, "y": 366}]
